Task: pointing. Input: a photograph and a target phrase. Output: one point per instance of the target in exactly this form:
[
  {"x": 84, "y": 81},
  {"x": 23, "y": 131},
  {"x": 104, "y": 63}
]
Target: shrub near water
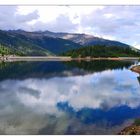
[{"x": 137, "y": 122}]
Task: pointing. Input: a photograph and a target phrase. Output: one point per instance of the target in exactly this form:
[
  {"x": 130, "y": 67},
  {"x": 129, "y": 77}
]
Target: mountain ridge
[
  {"x": 50, "y": 43},
  {"x": 80, "y": 38},
  {"x": 22, "y": 39}
]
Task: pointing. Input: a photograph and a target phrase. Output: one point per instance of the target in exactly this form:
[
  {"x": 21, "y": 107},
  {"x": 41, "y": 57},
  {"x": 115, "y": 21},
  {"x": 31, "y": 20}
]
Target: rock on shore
[
  {"x": 136, "y": 69},
  {"x": 131, "y": 130}
]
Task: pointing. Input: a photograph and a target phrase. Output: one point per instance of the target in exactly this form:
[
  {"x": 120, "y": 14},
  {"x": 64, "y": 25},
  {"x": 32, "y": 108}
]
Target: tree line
[{"x": 103, "y": 51}]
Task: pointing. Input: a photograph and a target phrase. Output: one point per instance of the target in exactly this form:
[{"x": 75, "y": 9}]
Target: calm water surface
[{"x": 95, "y": 97}]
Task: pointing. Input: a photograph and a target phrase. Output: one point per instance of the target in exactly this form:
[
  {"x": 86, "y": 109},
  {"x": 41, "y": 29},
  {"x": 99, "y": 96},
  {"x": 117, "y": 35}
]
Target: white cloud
[
  {"x": 136, "y": 44},
  {"x": 115, "y": 22},
  {"x": 61, "y": 23},
  {"x": 11, "y": 19}
]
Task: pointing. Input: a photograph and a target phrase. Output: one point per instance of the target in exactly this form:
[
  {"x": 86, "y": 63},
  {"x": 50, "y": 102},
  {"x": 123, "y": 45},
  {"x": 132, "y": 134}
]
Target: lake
[{"x": 76, "y": 97}]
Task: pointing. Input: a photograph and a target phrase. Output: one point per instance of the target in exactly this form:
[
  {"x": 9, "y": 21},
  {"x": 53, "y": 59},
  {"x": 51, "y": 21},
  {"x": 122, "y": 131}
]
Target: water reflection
[
  {"x": 92, "y": 103},
  {"x": 24, "y": 70}
]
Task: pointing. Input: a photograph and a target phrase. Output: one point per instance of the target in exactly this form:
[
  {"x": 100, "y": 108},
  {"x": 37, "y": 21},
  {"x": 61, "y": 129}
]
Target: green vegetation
[
  {"x": 5, "y": 51},
  {"x": 137, "y": 122},
  {"x": 22, "y": 51},
  {"x": 16, "y": 44},
  {"x": 98, "y": 66},
  {"x": 103, "y": 51}
]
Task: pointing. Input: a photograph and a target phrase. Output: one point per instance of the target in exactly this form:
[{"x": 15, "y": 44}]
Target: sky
[{"x": 121, "y": 23}]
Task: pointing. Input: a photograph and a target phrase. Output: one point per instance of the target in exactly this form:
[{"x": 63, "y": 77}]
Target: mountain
[
  {"x": 52, "y": 44},
  {"x": 33, "y": 43},
  {"x": 84, "y": 39},
  {"x": 18, "y": 45},
  {"x": 49, "y": 43}
]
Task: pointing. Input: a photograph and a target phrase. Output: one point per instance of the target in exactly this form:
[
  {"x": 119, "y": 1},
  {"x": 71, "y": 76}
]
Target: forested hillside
[
  {"x": 25, "y": 43},
  {"x": 103, "y": 51}
]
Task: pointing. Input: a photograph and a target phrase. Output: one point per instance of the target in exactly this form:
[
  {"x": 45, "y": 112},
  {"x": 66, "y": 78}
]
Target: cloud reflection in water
[{"x": 33, "y": 102}]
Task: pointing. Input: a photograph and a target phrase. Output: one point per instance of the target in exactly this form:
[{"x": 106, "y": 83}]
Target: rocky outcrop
[
  {"x": 131, "y": 130},
  {"x": 136, "y": 69}
]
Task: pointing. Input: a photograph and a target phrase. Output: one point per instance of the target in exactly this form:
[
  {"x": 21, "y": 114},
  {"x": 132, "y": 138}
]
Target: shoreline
[
  {"x": 130, "y": 130},
  {"x": 136, "y": 69},
  {"x": 133, "y": 129},
  {"x": 38, "y": 58},
  {"x": 61, "y": 58}
]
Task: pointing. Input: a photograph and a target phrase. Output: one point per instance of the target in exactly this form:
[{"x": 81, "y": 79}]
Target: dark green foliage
[
  {"x": 5, "y": 51},
  {"x": 42, "y": 69},
  {"x": 98, "y": 66},
  {"x": 137, "y": 122},
  {"x": 29, "y": 69},
  {"x": 103, "y": 51}
]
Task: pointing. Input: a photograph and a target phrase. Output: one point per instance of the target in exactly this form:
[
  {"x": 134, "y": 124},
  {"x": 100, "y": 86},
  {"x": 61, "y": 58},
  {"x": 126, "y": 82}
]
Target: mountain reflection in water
[{"x": 96, "y": 97}]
